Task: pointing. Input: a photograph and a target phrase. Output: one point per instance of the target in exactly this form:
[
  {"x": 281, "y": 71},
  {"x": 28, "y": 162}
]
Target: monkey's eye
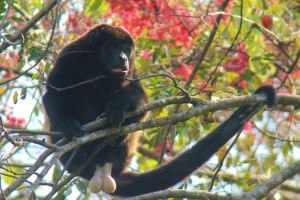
[{"x": 127, "y": 50}]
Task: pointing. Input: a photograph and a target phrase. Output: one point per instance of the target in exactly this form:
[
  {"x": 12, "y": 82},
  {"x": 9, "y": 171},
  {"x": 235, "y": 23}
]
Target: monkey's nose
[{"x": 123, "y": 58}]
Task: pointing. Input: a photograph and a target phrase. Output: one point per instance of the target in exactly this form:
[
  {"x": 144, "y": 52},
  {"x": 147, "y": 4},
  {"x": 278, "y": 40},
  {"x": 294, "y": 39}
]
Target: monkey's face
[
  {"x": 113, "y": 50},
  {"x": 115, "y": 57}
]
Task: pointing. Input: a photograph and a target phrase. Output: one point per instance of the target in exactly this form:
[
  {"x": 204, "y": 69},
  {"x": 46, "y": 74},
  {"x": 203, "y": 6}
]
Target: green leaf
[
  {"x": 35, "y": 53},
  {"x": 37, "y": 3},
  {"x": 262, "y": 67},
  {"x": 20, "y": 64},
  {"x": 15, "y": 97},
  {"x": 10, "y": 174},
  {"x": 56, "y": 173},
  {"x": 23, "y": 93},
  {"x": 35, "y": 75},
  {"x": 95, "y": 7},
  {"x": 81, "y": 187},
  {"x": 286, "y": 149},
  {"x": 2, "y": 8}
]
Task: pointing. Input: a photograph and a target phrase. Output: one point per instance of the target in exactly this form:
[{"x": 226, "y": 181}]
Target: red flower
[
  {"x": 239, "y": 60},
  {"x": 267, "y": 21},
  {"x": 184, "y": 71},
  {"x": 15, "y": 122},
  {"x": 248, "y": 126},
  {"x": 159, "y": 147}
]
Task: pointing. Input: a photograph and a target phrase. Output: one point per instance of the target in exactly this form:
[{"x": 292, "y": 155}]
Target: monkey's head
[{"x": 113, "y": 51}]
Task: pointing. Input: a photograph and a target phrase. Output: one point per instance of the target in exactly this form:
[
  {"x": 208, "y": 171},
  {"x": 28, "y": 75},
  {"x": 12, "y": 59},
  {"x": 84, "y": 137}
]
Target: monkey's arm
[
  {"x": 130, "y": 184},
  {"x": 128, "y": 99},
  {"x": 60, "y": 116}
]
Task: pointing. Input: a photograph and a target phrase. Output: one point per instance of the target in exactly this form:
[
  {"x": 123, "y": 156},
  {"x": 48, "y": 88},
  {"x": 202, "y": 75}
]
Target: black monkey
[{"x": 104, "y": 55}]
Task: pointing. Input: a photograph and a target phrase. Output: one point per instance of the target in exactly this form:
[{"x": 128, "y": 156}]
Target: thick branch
[
  {"x": 253, "y": 179},
  {"x": 197, "y": 194},
  {"x": 284, "y": 100},
  {"x": 261, "y": 190},
  {"x": 172, "y": 119}
]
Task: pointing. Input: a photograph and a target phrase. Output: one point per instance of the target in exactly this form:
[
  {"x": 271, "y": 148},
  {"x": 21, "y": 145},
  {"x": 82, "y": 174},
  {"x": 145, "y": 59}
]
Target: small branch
[
  {"x": 42, "y": 143},
  {"x": 230, "y": 47},
  {"x": 263, "y": 189},
  {"x": 194, "y": 71},
  {"x": 9, "y": 2},
  {"x": 58, "y": 186},
  {"x": 250, "y": 178},
  {"x": 291, "y": 68},
  {"x": 26, "y": 132},
  {"x": 46, "y": 49},
  {"x": 269, "y": 135},
  {"x": 220, "y": 164},
  {"x": 185, "y": 92},
  {"x": 19, "y": 34},
  {"x": 15, "y": 71},
  {"x": 230, "y": 177},
  {"x": 43, "y": 173},
  {"x": 18, "y": 182},
  {"x": 181, "y": 194},
  {"x": 60, "y": 89}
]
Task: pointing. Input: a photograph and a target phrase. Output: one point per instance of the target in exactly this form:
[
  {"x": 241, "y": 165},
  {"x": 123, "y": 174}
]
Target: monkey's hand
[
  {"x": 71, "y": 128},
  {"x": 115, "y": 110}
]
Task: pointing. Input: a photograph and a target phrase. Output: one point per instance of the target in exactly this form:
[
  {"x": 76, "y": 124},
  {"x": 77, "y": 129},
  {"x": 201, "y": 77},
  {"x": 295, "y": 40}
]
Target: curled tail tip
[{"x": 269, "y": 93}]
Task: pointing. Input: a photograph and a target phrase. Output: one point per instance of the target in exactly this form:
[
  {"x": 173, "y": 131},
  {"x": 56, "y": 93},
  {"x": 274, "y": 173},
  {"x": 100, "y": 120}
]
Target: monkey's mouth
[{"x": 121, "y": 70}]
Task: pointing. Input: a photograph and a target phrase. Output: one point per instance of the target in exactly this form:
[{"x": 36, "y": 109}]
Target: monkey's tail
[{"x": 131, "y": 184}]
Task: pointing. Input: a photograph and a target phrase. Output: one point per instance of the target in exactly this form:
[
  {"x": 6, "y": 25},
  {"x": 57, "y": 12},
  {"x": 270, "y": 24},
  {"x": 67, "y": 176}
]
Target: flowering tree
[{"x": 208, "y": 50}]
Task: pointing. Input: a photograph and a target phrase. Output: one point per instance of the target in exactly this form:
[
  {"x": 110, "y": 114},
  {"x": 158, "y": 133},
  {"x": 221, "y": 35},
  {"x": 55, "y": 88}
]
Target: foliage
[{"x": 256, "y": 43}]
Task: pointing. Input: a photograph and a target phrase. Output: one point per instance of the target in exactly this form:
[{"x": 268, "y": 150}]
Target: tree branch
[
  {"x": 19, "y": 34},
  {"x": 196, "y": 194},
  {"x": 261, "y": 190},
  {"x": 172, "y": 119}
]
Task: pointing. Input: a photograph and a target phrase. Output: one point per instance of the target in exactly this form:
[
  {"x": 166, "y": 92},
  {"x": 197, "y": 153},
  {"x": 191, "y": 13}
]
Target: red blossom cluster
[
  {"x": 183, "y": 71},
  {"x": 239, "y": 60},
  {"x": 159, "y": 19},
  {"x": 8, "y": 61},
  {"x": 296, "y": 73},
  {"x": 15, "y": 121},
  {"x": 78, "y": 23},
  {"x": 169, "y": 148}
]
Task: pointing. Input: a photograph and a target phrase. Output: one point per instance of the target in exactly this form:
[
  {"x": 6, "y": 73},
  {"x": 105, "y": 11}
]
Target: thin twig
[
  {"x": 19, "y": 34},
  {"x": 194, "y": 72}
]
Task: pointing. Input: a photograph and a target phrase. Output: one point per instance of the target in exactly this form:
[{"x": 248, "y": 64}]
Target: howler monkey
[{"x": 89, "y": 80}]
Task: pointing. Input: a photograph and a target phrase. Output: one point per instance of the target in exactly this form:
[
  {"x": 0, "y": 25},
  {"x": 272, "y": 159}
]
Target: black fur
[
  {"x": 97, "y": 53},
  {"x": 106, "y": 52}
]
